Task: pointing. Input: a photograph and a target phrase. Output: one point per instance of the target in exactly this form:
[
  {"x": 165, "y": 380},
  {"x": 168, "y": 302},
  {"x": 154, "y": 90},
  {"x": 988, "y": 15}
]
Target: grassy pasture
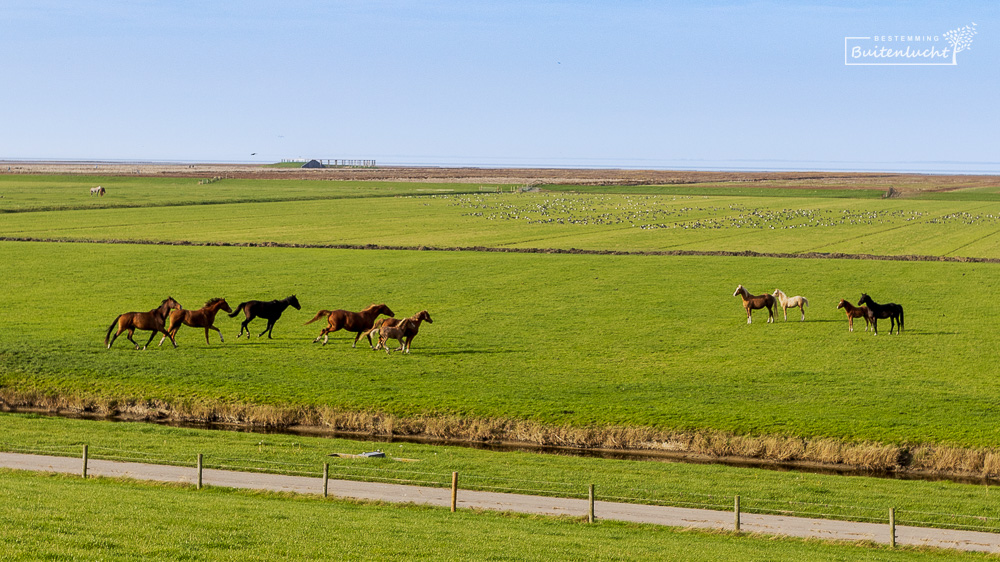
[
  {"x": 582, "y": 340},
  {"x": 551, "y": 220},
  {"x": 22, "y": 193},
  {"x": 62, "y": 517}
]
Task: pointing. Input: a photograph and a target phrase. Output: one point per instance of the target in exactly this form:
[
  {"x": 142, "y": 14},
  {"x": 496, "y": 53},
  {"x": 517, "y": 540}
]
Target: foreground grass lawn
[{"x": 62, "y": 517}]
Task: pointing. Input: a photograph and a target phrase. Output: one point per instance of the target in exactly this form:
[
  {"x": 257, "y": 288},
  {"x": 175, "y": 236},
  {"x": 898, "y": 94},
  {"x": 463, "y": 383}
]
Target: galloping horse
[
  {"x": 360, "y": 322},
  {"x": 412, "y": 326},
  {"x": 753, "y": 302},
  {"x": 791, "y": 302},
  {"x": 152, "y": 321},
  {"x": 204, "y": 317},
  {"x": 892, "y": 311},
  {"x": 856, "y": 312},
  {"x": 268, "y": 310}
]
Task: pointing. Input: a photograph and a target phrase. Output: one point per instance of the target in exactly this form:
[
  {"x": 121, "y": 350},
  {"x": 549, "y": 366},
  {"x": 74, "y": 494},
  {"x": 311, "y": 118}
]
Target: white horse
[
  {"x": 99, "y": 191},
  {"x": 791, "y": 302}
]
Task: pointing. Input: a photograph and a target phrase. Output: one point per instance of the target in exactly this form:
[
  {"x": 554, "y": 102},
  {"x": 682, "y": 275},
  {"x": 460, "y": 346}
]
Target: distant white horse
[
  {"x": 791, "y": 302},
  {"x": 99, "y": 191}
]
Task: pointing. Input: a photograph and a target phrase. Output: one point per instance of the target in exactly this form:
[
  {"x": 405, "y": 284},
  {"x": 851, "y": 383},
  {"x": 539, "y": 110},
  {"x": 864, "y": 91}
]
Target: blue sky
[{"x": 746, "y": 85}]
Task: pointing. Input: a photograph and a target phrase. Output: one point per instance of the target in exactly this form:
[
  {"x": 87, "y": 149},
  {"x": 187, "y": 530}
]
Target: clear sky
[{"x": 746, "y": 85}]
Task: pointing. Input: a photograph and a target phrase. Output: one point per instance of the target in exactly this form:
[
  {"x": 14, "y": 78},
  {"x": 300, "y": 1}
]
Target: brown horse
[
  {"x": 753, "y": 302},
  {"x": 152, "y": 321},
  {"x": 204, "y": 317},
  {"x": 856, "y": 312},
  {"x": 409, "y": 332},
  {"x": 360, "y": 322}
]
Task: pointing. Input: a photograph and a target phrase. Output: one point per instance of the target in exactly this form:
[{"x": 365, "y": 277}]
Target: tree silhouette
[{"x": 960, "y": 39}]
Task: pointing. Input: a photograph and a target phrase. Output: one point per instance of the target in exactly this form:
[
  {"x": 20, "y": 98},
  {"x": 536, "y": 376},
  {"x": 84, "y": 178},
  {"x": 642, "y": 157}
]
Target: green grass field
[
  {"x": 582, "y": 340},
  {"x": 559, "y": 340},
  {"x": 57, "y": 517}
]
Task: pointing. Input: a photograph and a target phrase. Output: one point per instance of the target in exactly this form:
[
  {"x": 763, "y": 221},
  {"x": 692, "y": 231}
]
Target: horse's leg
[
  {"x": 875, "y": 325},
  {"x": 803, "y": 310},
  {"x": 358, "y": 337},
  {"x": 784, "y": 309},
  {"x": 151, "y": 336},
  {"x": 749, "y": 315},
  {"x": 270, "y": 326},
  {"x": 131, "y": 331},
  {"x": 114, "y": 337}
]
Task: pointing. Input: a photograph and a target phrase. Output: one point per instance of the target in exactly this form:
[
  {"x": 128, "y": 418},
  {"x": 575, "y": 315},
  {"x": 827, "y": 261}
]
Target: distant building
[{"x": 312, "y": 164}]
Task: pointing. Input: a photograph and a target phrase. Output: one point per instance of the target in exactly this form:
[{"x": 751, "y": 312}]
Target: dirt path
[{"x": 658, "y": 515}]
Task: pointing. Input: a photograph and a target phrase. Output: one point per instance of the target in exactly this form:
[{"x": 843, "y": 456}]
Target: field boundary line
[{"x": 506, "y": 250}]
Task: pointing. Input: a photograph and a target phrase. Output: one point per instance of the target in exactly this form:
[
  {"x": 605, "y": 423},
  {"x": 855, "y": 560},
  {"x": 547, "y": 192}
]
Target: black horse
[
  {"x": 892, "y": 311},
  {"x": 268, "y": 310}
]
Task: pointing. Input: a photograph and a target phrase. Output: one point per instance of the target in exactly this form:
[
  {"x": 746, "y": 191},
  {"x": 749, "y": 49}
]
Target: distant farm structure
[{"x": 332, "y": 163}]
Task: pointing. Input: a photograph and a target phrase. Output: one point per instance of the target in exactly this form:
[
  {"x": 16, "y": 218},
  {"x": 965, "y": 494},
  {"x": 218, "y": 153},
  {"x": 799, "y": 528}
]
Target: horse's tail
[
  {"x": 319, "y": 315},
  {"x": 805, "y": 301},
  {"x": 237, "y": 310},
  {"x": 111, "y": 327}
]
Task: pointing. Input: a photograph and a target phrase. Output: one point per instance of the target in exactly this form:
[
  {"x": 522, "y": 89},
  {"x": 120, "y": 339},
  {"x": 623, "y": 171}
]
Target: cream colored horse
[{"x": 791, "y": 302}]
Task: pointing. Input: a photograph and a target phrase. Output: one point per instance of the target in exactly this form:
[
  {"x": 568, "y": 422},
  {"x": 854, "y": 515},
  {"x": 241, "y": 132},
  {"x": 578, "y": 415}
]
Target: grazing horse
[
  {"x": 152, "y": 321},
  {"x": 360, "y": 322},
  {"x": 412, "y": 327},
  {"x": 204, "y": 317},
  {"x": 892, "y": 311},
  {"x": 856, "y": 312},
  {"x": 787, "y": 302},
  {"x": 753, "y": 302},
  {"x": 98, "y": 191},
  {"x": 268, "y": 310}
]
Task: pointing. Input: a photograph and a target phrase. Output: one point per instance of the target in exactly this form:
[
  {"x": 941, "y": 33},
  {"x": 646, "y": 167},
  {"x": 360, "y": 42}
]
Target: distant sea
[{"x": 914, "y": 167}]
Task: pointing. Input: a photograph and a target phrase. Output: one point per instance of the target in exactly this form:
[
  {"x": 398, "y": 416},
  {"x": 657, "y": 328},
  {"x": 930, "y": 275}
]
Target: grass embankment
[
  {"x": 856, "y": 498},
  {"x": 617, "y": 351},
  {"x": 64, "y": 517}
]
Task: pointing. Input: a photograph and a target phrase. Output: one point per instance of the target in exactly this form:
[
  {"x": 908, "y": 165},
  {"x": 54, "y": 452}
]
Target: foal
[
  {"x": 753, "y": 302},
  {"x": 410, "y": 330},
  {"x": 856, "y": 312}
]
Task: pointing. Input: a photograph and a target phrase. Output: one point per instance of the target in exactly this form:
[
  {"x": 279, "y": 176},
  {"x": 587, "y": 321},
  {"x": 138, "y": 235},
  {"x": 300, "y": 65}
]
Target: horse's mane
[
  {"x": 167, "y": 299},
  {"x": 213, "y": 301}
]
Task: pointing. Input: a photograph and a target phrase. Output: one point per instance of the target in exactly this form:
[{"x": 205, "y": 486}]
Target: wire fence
[{"x": 368, "y": 472}]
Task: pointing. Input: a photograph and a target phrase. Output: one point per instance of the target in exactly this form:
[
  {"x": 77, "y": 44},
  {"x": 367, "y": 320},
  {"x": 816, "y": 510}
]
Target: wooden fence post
[
  {"x": 590, "y": 514},
  {"x": 199, "y": 470},
  {"x": 892, "y": 527},
  {"x": 84, "y": 461},
  {"x": 326, "y": 478},
  {"x": 736, "y": 510},
  {"x": 454, "y": 491}
]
